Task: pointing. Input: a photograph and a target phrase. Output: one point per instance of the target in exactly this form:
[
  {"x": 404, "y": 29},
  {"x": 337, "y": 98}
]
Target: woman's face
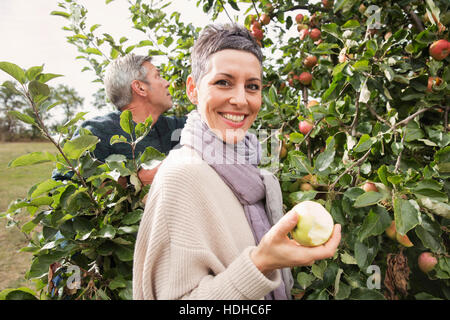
[{"x": 228, "y": 96}]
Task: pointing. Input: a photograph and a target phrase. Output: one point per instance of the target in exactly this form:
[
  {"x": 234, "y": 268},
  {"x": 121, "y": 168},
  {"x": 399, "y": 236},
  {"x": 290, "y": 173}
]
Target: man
[{"x": 133, "y": 83}]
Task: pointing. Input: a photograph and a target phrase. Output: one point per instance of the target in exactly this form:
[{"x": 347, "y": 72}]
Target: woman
[{"x": 207, "y": 232}]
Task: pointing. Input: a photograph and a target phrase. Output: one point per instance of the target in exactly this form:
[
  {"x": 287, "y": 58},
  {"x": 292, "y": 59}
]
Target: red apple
[
  {"x": 369, "y": 186},
  {"x": 315, "y": 34},
  {"x": 299, "y": 18},
  {"x": 303, "y": 34},
  {"x": 306, "y": 187},
  {"x": 258, "y": 34},
  {"x": 265, "y": 19},
  {"x": 269, "y": 7},
  {"x": 403, "y": 240},
  {"x": 440, "y": 49},
  {"x": 255, "y": 25},
  {"x": 426, "y": 261},
  {"x": 310, "y": 61},
  {"x": 391, "y": 231},
  {"x": 305, "y": 78},
  {"x": 305, "y": 126}
]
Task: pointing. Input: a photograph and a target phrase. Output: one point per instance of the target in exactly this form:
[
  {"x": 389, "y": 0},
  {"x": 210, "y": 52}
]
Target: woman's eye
[
  {"x": 222, "y": 82},
  {"x": 253, "y": 86}
]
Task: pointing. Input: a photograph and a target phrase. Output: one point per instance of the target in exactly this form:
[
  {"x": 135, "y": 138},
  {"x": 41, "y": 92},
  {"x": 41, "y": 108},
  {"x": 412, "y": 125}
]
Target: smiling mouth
[{"x": 233, "y": 117}]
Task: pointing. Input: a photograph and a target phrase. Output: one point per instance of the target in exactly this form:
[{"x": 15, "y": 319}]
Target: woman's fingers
[{"x": 285, "y": 224}]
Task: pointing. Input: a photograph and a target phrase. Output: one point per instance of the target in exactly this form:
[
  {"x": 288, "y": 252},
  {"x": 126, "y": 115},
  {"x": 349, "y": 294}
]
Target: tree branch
[
  {"x": 415, "y": 18},
  {"x": 399, "y": 158},
  {"x": 408, "y": 119},
  {"x": 357, "y": 163},
  {"x": 373, "y": 112}
]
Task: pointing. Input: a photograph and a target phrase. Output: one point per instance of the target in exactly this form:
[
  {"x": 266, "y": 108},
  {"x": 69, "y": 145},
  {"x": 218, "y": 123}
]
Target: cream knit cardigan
[{"x": 194, "y": 241}]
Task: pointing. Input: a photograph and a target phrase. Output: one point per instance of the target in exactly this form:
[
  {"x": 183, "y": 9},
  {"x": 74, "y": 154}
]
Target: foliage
[
  {"x": 376, "y": 120},
  {"x": 13, "y": 101}
]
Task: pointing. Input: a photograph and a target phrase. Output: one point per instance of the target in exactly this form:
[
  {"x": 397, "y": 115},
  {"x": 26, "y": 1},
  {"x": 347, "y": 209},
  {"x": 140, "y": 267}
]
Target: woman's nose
[{"x": 239, "y": 97}]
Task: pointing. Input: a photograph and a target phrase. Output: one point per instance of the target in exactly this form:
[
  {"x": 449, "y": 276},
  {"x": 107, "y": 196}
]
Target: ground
[{"x": 14, "y": 184}]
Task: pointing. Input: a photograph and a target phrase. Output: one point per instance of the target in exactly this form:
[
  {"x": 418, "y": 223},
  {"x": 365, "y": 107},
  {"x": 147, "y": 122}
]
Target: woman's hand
[{"x": 276, "y": 250}]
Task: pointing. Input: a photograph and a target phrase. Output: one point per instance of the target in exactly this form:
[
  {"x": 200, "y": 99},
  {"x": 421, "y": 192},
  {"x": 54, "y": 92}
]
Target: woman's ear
[{"x": 191, "y": 90}]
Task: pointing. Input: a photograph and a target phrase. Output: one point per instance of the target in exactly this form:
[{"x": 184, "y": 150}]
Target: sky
[{"x": 30, "y": 36}]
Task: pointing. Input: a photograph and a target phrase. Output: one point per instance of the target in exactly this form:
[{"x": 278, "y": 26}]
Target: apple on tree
[
  {"x": 305, "y": 78},
  {"x": 369, "y": 186},
  {"x": 265, "y": 19},
  {"x": 299, "y": 18},
  {"x": 310, "y": 61},
  {"x": 440, "y": 49},
  {"x": 426, "y": 262},
  {"x": 315, "y": 34},
  {"x": 315, "y": 224},
  {"x": 303, "y": 34},
  {"x": 305, "y": 126}
]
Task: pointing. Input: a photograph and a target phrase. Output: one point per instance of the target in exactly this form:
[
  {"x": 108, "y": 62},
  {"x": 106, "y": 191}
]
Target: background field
[{"x": 14, "y": 183}]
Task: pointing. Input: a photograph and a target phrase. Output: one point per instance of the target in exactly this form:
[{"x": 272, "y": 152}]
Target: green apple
[{"x": 315, "y": 224}]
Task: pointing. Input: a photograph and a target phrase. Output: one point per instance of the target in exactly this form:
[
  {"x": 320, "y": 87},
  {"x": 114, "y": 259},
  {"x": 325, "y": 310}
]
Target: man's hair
[
  {"x": 219, "y": 37},
  {"x": 119, "y": 75}
]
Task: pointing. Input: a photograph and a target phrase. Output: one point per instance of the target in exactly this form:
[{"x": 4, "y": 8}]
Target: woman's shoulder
[{"x": 186, "y": 163}]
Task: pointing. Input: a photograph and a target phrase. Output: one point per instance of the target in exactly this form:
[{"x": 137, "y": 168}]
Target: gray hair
[
  {"x": 119, "y": 75},
  {"x": 219, "y": 37}
]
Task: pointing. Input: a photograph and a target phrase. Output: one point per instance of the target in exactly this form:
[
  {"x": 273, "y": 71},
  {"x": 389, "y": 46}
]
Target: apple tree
[{"x": 356, "y": 102}]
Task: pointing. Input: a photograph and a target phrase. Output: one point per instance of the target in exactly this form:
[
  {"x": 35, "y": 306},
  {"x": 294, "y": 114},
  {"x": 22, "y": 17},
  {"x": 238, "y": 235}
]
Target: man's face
[{"x": 158, "y": 88}]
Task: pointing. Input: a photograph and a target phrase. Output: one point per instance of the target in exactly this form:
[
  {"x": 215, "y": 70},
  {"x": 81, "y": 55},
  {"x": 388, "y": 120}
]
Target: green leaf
[
  {"x": 351, "y": 24},
  {"x": 407, "y": 215},
  {"x": 382, "y": 174},
  {"x": 347, "y": 258},
  {"x": 93, "y": 51},
  {"x": 361, "y": 253},
  {"x": 79, "y": 116},
  {"x": 21, "y": 293},
  {"x": 439, "y": 208},
  {"x": 38, "y": 89},
  {"x": 124, "y": 253},
  {"x": 107, "y": 231},
  {"x": 366, "y": 294},
  {"x": 45, "y": 77},
  {"x": 33, "y": 72},
  {"x": 118, "y": 282},
  {"x": 374, "y": 223},
  {"x": 364, "y": 144},
  {"x": 368, "y": 199},
  {"x": 22, "y": 117},
  {"x": 73, "y": 149},
  {"x": 60, "y": 13},
  {"x": 117, "y": 139},
  {"x": 318, "y": 269},
  {"x": 299, "y": 196},
  {"x": 325, "y": 159},
  {"x": 45, "y": 186},
  {"x": 14, "y": 71},
  {"x": 32, "y": 158},
  {"x": 126, "y": 122},
  {"x": 429, "y": 232},
  {"x": 305, "y": 279}
]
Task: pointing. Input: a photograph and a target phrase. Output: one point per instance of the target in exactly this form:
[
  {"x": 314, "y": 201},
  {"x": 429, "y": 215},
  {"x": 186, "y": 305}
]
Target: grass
[{"x": 14, "y": 184}]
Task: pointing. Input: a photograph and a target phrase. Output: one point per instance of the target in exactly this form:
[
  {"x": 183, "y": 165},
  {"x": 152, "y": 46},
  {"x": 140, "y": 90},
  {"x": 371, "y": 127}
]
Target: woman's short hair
[
  {"x": 219, "y": 37},
  {"x": 119, "y": 75}
]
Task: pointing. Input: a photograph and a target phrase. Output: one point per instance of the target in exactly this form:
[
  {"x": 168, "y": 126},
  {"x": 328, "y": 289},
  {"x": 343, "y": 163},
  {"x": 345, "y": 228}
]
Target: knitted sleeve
[{"x": 174, "y": 255}]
